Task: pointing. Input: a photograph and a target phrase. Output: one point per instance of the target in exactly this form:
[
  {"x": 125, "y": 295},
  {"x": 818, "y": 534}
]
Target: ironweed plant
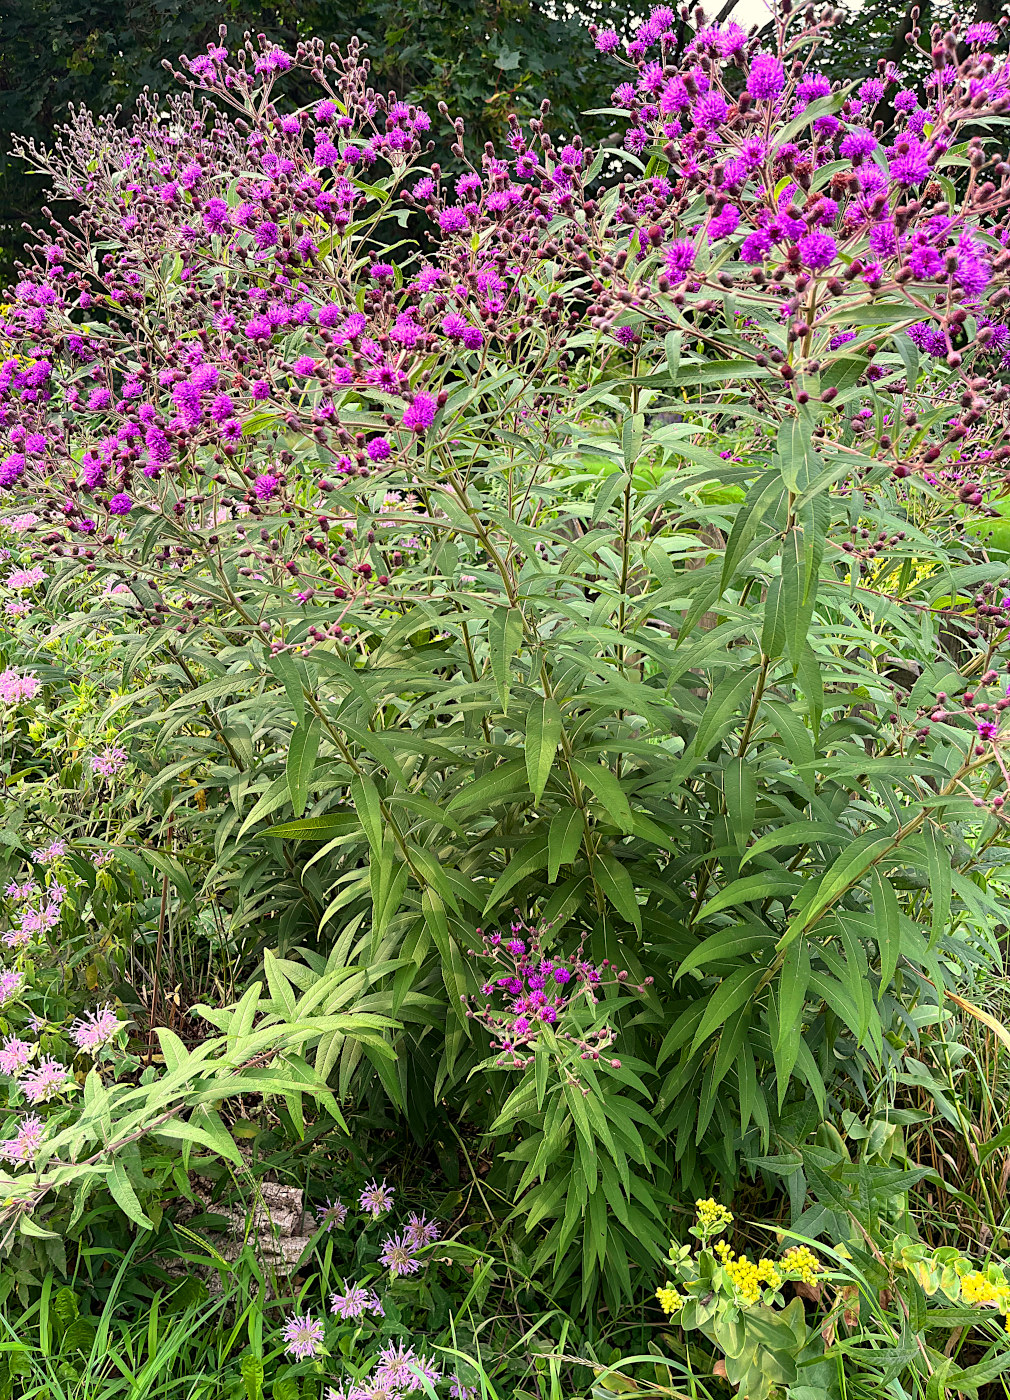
[{"x": 602, "y": 543}]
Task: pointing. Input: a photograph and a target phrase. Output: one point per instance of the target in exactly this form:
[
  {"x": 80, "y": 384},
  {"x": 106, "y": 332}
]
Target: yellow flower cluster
[
  {"x": 976, "y": 1288},
  {"x": 748, "y": 1277},
  {"x": 669, "y": 1299},
  {"x": 799, "y": 1260},
  {"x": 712, "y": 1217}
]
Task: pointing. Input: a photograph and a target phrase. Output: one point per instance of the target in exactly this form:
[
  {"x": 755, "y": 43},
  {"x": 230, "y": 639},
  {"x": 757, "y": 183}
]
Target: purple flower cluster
[
  {"x": 16, "y": 687},
  {"x": 398, "y": 1370},
  {"x": 526, "y": 993}
]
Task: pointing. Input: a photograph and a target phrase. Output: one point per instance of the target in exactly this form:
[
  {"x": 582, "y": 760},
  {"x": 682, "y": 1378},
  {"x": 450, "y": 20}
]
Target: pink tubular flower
[
  {"x": 49, "y": 1078},
  {"x": 303, "y": 1336},
  {"x": 110, "y": 761},
  {"x": 24, "y": 578},
  {"x": 26, "y": 1142},
  {"x": 14, "y": 1055},
  {"x": 15, "y": 687},
  {"x": 376, "y": 1199},
  {"x": 354, "y": 1303},
  {"x": 10, "y": 985},
  {"x": 95, "y": 1029}
]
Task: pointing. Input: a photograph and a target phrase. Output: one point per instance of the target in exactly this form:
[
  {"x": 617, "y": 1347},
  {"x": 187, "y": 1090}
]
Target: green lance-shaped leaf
[
  {"x": 721, "y": 710},
  {"x": 606, "y": 788},
  {"x": 125, "y": 1196},
  {"x": 762, "y": 496},
  {"x": 732, "y": 993},
  {"x": 792, "y": 991},
  {"x": 505, "y": 635},
  {"x": 887, "y": 918},
  {"x": 564, "y": 839},
  {"x": 368, "y": 807},
  {"x": 301, "y": 762},
  {"x": 543, "y": 734}
]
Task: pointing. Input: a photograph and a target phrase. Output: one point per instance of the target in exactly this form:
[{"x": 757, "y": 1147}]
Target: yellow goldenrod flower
[
  {"x": 669, "y": 1299},
  {"x": 724, "y": 1252},
  {"x": 976, "y": 1288},
  {"x": 800, "y": 1260},
  {"x": 768, "y": 1273},
  {"x": 712, "y": 1217},
  {"x": 746, "y": 1279}
]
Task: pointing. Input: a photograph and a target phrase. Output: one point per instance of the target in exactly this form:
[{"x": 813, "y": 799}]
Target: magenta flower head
[
  {"x": 679, "y": 259},
  {"x": 120, "y": 504},
  {"x": 817, "y": 250},
  {"x": 766, "y": 78},
  {"x": 985, "y": 32},
  {"x": 215, "y": 216},
  {"x": 420, "y": 412},
  {"x": 856, "y": 143},
  {"x": 303, "y": 1336},
  {"x": 265, "y": 486},
  {"x": 452, "y": 220}
]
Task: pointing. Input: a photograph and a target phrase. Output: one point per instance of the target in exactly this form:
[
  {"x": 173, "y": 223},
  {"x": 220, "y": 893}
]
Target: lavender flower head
[
  {"x": 95, "y": 1029},
  {"x": 26, "y": 1141},
  {"x": 399, "y": 1255},
  {"x": 376, "y": 1199},
  {"x": 422, "y": 1231},
  {"x": 400, "y": 1368},
  {"x": 355, "y": 1302},
  {"x": 303, "y": 1336},
  {"x": 332, "y": 1213},
  {"x": 110, "y": 761},
  {"x": 49, "y": 1078}
]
